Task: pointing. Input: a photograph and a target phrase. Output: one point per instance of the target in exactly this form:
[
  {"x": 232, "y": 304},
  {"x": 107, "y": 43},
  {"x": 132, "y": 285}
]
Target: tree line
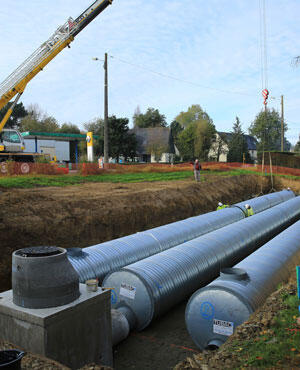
[{"x": 193, "y": 132}]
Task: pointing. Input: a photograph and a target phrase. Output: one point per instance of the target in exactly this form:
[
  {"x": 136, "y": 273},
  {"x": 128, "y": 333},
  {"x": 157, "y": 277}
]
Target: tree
[
  {"x": 193, "y": 114},
  {"x": 267, "y": 129},
  {"x": 286, "y": 145},
  {"x": 18, "y": 113},
  {"x": 186, "y": 141},
  {"x": 219, "y": 146},
  {"x": 176, "y": 129},
  {"x": 130, "y": 146},
  {"x": 297, "y": 147},
  {"x": 121, "y": 141},
  {"x": 39, "y": 121},
  {"x": 69, "y": 128},
  {"x": 204, "y": 135},
  {"x": 195, "y": 141},
  {"x": 136, "y": 114},
  {"x": 152, "y": 118},
  {"x": 238, "y": 145}
]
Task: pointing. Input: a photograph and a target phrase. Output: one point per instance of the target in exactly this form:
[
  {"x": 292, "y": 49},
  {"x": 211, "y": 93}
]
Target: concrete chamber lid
[{"x": 43, "y": 277}]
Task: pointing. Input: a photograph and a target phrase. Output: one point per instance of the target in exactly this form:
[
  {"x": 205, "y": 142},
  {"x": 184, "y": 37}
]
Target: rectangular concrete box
[{"x": 75, "y": 334}]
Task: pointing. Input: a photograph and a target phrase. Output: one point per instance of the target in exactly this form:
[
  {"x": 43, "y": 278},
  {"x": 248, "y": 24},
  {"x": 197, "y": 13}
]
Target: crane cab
[{"x": 11, "y": 141}]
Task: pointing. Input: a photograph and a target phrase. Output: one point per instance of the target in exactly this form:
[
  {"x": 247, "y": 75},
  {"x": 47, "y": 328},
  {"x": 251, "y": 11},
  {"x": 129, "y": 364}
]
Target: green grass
[
  {"x": 276, "y": 346},
  {"x": 67, "y": 180}
]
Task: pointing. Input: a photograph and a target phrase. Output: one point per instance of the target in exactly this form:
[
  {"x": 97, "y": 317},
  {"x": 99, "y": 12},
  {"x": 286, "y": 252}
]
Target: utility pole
[
  {"x": 105, "y": 111},
  {"x": 282, "y": 124}
]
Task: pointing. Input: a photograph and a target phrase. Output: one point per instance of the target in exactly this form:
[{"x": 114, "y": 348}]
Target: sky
[{"x": 165, "y": 54}]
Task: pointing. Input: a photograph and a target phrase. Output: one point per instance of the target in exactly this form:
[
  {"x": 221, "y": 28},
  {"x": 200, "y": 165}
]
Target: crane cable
[
  {"x": 264, "y": 79},
  {"x": 263, "y": 44},
  {"x": 264, "y": 70}
]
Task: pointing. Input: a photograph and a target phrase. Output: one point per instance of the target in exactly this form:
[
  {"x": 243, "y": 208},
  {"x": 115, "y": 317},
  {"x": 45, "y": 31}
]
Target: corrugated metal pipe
[
  {"x": 264, "y": 202},
  {"x": 213, "y": 313},
  {"x": 149, "y": 288},
  {"x": 99, "y": 260}
]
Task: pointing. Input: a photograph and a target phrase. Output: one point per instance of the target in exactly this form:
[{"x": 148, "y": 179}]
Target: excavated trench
[
  {"x": 89, "y": 214},
  {"x": 93, "y": 213}
]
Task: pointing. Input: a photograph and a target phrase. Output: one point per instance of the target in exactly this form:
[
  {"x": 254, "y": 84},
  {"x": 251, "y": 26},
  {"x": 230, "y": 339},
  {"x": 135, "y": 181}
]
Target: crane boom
[{"x": 16, "y": 82}]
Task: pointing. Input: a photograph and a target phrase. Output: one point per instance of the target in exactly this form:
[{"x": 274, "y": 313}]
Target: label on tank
[
  {"x": 223, "y": 327},
  {"x": 127, "y": 291}
]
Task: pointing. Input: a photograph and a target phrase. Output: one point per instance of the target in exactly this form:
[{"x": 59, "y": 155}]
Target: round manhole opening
[
  {"x": 233, "y": 273},
  {"x": 39, "y": 251}
]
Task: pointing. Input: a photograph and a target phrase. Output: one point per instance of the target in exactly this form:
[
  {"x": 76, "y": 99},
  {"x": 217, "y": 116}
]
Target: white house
[{"x": 219, "y": 149}]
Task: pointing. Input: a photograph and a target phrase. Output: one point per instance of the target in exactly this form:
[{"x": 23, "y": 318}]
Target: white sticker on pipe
[
  {"x": 127, "y": 291},
  {"x": 223, "y": 327}
]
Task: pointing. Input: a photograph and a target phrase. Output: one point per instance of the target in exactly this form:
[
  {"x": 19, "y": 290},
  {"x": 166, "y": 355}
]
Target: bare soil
[
  {"x": 92, "y": 213},
  {"x": 80, "y": 216}
]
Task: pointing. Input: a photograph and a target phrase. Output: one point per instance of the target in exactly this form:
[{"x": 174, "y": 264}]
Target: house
[
  {"x": 219, "y": 148},
  {"x": 154, "y": 144}
]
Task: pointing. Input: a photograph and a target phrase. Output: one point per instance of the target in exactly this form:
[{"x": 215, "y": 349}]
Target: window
[{"x": 10, "y": 137}]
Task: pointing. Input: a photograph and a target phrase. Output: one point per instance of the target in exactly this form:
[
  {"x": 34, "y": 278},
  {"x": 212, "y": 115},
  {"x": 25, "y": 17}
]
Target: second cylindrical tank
[
  {"x": 213, "y": 313},
  {"x": 99, "y": 260},
  {"x": 150, "y": 287}
]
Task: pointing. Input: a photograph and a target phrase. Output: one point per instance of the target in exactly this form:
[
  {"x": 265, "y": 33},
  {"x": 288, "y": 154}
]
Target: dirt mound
[
  {"x": 92, "y": 213},
  {"x": 293, "y": 184}
]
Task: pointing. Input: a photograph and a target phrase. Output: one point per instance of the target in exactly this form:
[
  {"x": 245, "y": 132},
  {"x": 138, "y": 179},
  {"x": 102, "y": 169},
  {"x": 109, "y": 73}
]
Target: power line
[{"x": 181, "y": 80}]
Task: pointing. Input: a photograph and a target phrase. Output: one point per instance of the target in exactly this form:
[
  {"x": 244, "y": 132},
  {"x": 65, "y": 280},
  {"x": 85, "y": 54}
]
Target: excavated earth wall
[{"x": 92, "y": 213}]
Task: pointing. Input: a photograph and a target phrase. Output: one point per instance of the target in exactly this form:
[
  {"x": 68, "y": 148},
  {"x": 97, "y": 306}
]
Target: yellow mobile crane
[{"x": 11, "y": 142}]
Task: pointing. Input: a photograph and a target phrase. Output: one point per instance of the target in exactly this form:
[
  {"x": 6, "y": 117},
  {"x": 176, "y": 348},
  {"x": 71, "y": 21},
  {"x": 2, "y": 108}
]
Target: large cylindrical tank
[
  {"x": 150, "y": 287},
  {"x": 213, "y": 313},
  {"x": 43, "y": 277},
  {"x": 264, "y": 202},
  {"x": 99, "y": 260}
]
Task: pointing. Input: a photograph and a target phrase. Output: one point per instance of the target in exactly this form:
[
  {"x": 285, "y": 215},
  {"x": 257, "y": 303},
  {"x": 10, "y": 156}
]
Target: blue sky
[{"x": 211, "y": 48}]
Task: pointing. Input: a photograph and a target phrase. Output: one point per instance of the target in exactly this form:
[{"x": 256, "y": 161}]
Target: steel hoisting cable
[
  {"x": 264, "y": 68},
  {"x": 263, "y": 44}
]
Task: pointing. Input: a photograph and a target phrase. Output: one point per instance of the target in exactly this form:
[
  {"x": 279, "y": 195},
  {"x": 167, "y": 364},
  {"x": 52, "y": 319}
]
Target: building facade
[
  {"x": 154, "y": 144},
  {"x": 219, "y": 148}
]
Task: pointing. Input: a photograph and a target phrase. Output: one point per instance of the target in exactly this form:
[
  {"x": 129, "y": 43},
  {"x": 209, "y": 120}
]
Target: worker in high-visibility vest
[
  {"x": 249, "y": 210},
  {"x": 222, "y": 206}
]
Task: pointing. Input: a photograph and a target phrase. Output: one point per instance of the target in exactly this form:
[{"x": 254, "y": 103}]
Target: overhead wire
[{"x": 180, "y": 79}]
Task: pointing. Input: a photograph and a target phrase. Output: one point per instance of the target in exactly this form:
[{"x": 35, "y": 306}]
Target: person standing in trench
[{"x": 197, "y": 168}]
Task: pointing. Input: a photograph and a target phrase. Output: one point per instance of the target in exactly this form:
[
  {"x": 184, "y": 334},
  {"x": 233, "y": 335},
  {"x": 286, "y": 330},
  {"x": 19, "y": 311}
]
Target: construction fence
[{"x": 85, "y": 169}]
